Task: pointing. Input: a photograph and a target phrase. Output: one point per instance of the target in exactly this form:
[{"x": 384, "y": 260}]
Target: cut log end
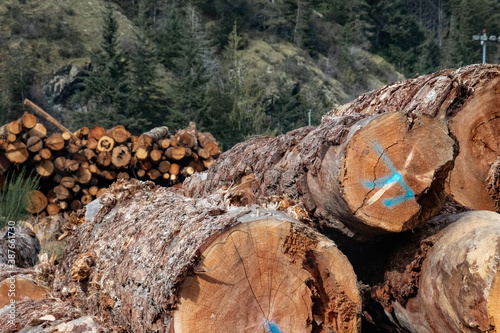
[
  {"x": 37, "y": 202},
  {"x": 391, "y": 173},
  {"x": 287, "y": 283},
  {"x": 458, "y": 289},
  {"x": 476, "y": 127},
  {"x": 405, "y": 162}
]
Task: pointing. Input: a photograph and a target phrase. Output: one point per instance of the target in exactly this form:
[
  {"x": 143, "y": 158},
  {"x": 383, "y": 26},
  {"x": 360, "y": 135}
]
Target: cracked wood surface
[
  {"x": 358, "y": 174},
  {"x": 147, "y": 251},
  {"x": 468, "y": 98},
  {"x": 445, "y": 278}
]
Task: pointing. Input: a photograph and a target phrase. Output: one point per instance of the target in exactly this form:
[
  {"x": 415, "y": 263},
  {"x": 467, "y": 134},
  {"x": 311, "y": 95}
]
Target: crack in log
[{"x": 248, "y": 279}]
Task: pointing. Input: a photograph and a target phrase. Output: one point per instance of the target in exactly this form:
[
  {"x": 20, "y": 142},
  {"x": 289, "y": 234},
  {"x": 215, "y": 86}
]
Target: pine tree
[
  {"x": 106, "y": 88},
  {"x": 146, "y": 96},
  {"x": 168, "y": 36},
  {"x": 193, "y": 67},
  {"x": 238, "y": 112}
]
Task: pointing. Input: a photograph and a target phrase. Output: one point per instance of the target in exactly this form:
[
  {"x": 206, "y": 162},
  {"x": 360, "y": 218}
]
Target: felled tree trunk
[
  {"x": 446, "y": 278},
  {"x": 469, "y": 99},
  {"x": 154, "y": 260},
  {"x": 359, "y": 174}
]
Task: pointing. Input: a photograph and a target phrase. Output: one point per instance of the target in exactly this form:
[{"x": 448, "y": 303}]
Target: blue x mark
[{"x": 393, "y": 178}]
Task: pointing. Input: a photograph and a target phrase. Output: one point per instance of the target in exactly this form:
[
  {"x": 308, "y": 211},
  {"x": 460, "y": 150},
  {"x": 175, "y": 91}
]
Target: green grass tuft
[{"x": 14, "y": 196}]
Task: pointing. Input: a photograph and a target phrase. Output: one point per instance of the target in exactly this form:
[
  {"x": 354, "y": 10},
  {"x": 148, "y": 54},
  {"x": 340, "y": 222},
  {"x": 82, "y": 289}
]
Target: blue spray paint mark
[
  {"x": 396, "y": 177},
  {"x": 272, "y": 327}
]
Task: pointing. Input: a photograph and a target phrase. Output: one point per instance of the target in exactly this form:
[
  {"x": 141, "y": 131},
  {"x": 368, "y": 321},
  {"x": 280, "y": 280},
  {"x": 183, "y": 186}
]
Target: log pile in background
[{"x": 75, "y": 168}]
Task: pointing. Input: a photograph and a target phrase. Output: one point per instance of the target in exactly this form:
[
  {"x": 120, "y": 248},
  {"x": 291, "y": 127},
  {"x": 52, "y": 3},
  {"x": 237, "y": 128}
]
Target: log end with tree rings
[
  {"x": 16, "y": 152},
  {"x": 37, "y": 201},
  {"x": 39, "y": 130},
  {"x": 391, "y": 172},
  {"x": 458, "y": 288},
  {"x": 121, "y": 156},
  {"x": 105, "y": 144},
  {"x": 45, "y": 168},
  {"x": 55, "y": 142},
  {"x": 28, "y": 120},
  {"x": 269, "y": 275},
  {"x": 476, "y": 127}
]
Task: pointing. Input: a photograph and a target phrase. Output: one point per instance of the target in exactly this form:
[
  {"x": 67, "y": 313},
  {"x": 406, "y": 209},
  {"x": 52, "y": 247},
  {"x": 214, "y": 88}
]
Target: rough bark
[
  {"x": 27, "y": 247},
  {"x": 47, "y": 315},
  {"x": 228, "y": 267},
  {"x": 468, "y": 99},
  {"x": 445, "y": 278},
  {"x": 361, "y": 175}
]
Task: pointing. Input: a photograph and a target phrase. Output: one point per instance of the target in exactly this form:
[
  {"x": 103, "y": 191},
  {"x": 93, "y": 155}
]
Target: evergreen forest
[{"x": 238, "y": 68}]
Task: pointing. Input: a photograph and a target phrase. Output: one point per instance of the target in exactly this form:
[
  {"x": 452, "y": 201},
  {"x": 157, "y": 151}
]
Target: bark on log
[
  {"x": 207, "y": 269},
  {"x": 26, "y": 250},
  {"x": 358, "y": 174},
  {"x": 446, "y": 278},
  {"x": 208, "y": 142},
  {"x": 155, "y": 135},
  {"x": 467, "y": 98}
]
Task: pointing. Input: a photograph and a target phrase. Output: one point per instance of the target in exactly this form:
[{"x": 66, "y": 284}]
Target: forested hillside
[{"x": 238, "y": 68}]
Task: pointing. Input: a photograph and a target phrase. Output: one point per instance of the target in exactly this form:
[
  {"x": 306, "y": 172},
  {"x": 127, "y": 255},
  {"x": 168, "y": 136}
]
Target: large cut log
[
  {"x": 468, "y": 98},
  {"x": 446, "y": 277},
  {"x": 353, "y": 173},
  {"x": 208, "y": 268}
]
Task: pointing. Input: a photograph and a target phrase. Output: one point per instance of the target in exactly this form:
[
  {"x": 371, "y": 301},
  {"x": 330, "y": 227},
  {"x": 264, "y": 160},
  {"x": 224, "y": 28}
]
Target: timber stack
[
  {"x": 365, "y": 223},
  {"x": 77, "y": 167}
]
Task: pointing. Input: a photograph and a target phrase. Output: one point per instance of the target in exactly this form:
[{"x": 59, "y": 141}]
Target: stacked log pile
[
  {"x": 75, "y": 168},
  {"x": 243, "y": 247}
]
